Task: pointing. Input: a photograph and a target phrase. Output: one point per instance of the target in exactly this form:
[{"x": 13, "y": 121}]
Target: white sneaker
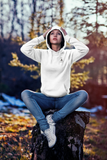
[
  {"x": 51, "y": 138},
  {"x": 51, "y": 123}
]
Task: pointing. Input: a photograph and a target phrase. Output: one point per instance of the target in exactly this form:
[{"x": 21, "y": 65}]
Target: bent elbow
[
  {"x": 86, "y": 50},
  {"x": 22, "y": 49}
]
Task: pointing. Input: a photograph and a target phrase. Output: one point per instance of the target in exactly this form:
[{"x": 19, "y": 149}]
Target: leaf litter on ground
[{"x": 15, "y": 137}]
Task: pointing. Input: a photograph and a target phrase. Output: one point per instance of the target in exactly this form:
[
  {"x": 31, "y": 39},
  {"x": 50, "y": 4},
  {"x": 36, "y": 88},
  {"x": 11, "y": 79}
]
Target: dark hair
[{"x": 48, "y": 41}]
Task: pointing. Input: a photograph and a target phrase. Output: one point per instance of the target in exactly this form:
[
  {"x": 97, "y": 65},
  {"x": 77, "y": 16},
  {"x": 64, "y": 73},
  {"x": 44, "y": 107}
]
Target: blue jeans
[{"x": 37, "y": 103}]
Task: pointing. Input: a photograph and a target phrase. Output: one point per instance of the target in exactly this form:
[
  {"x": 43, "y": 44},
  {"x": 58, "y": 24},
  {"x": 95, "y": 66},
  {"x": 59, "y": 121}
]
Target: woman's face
[{"x": 55, "y": 37}]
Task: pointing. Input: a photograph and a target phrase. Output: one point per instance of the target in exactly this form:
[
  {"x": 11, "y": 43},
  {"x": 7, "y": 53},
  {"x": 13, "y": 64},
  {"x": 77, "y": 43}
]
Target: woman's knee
[
  {"x": 24, "y": 94},
  {"x": 84, "y": 94}
]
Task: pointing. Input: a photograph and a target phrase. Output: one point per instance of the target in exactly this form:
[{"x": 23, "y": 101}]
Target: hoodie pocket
[{"x": 58, "y": 90}]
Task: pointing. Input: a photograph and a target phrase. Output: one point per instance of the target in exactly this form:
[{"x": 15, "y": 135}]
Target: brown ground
[
  {"x": 95, "y": 139},
  {"x": 15, "y": 138}
]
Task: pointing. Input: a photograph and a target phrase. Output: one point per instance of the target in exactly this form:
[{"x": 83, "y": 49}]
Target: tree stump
[{"x": 69, "y": 145}]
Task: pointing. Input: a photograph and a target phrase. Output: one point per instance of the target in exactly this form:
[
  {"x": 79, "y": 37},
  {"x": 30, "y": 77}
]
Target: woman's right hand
[
  {"x": 46, "y": 32},
  {"x": 64, "y": 31}
]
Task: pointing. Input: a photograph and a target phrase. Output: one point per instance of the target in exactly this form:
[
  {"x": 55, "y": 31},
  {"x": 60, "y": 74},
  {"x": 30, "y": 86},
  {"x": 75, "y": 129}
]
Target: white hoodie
[{"x": 55, "y": 66}]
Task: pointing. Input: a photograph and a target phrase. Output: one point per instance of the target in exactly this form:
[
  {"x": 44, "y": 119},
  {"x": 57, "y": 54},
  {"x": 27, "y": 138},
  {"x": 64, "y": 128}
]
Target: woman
[{"x": 55, "y": 79}]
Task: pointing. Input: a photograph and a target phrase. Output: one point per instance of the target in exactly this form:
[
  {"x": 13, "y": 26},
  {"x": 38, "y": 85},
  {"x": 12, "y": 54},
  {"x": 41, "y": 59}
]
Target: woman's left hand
[
  {"x": 46, "y": 32},
  {"x": 63, "y": 30}
]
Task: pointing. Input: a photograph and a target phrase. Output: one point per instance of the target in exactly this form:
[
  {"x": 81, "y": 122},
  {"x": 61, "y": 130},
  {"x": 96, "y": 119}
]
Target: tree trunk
[{"x": 69, "y": 145}]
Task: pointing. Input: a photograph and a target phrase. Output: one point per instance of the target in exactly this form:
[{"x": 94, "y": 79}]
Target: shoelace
[{"x": 50, "y": 121}]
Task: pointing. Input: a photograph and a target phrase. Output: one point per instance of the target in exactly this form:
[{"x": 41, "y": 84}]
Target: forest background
[{"x": 22, "y": 20}]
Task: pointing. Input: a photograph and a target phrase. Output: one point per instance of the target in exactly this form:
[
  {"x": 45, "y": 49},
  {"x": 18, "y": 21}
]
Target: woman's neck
[{"x": 56, "y": 47}]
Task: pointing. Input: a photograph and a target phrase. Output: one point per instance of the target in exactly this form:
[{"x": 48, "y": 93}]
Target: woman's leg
[
  {"x": 37, "y": 103},
  {"x": 69, "y": 103}
]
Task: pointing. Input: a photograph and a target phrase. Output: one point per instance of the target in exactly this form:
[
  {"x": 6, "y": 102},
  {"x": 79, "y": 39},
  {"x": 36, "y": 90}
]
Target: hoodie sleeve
[
  {"x": 29, "y": 51},
  {"x": 80, "y": 49}
]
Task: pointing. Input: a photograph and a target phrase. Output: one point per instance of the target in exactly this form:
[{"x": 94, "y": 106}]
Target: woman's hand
[
  {"x": 46, "y": 32},
  {"x": 63, "y": 30}
]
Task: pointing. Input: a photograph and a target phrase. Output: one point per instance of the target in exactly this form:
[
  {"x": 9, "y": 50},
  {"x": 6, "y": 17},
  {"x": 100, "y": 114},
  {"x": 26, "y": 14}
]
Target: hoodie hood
[{"x": 47, "y": 37}]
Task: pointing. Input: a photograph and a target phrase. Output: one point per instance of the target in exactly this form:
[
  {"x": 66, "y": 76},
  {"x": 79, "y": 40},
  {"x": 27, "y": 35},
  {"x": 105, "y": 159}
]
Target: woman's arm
[
  {"x": 29, "y": 51},
  {"x": 80, "y": 49},
  {"x": 28, "y": 48},
  {"x": 46, "y": 32}
]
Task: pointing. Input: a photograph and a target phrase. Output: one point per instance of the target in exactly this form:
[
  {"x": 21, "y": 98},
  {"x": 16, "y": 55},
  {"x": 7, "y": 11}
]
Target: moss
[
  {"x": 88, "y": 151},
  {"x": 92, "y": 141},
  {"x": 101, "y": 153},
  {"x": 103, "y": 141},
  {"x": 92, "y": 131},
  {"x": 94, "y": 122}
]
